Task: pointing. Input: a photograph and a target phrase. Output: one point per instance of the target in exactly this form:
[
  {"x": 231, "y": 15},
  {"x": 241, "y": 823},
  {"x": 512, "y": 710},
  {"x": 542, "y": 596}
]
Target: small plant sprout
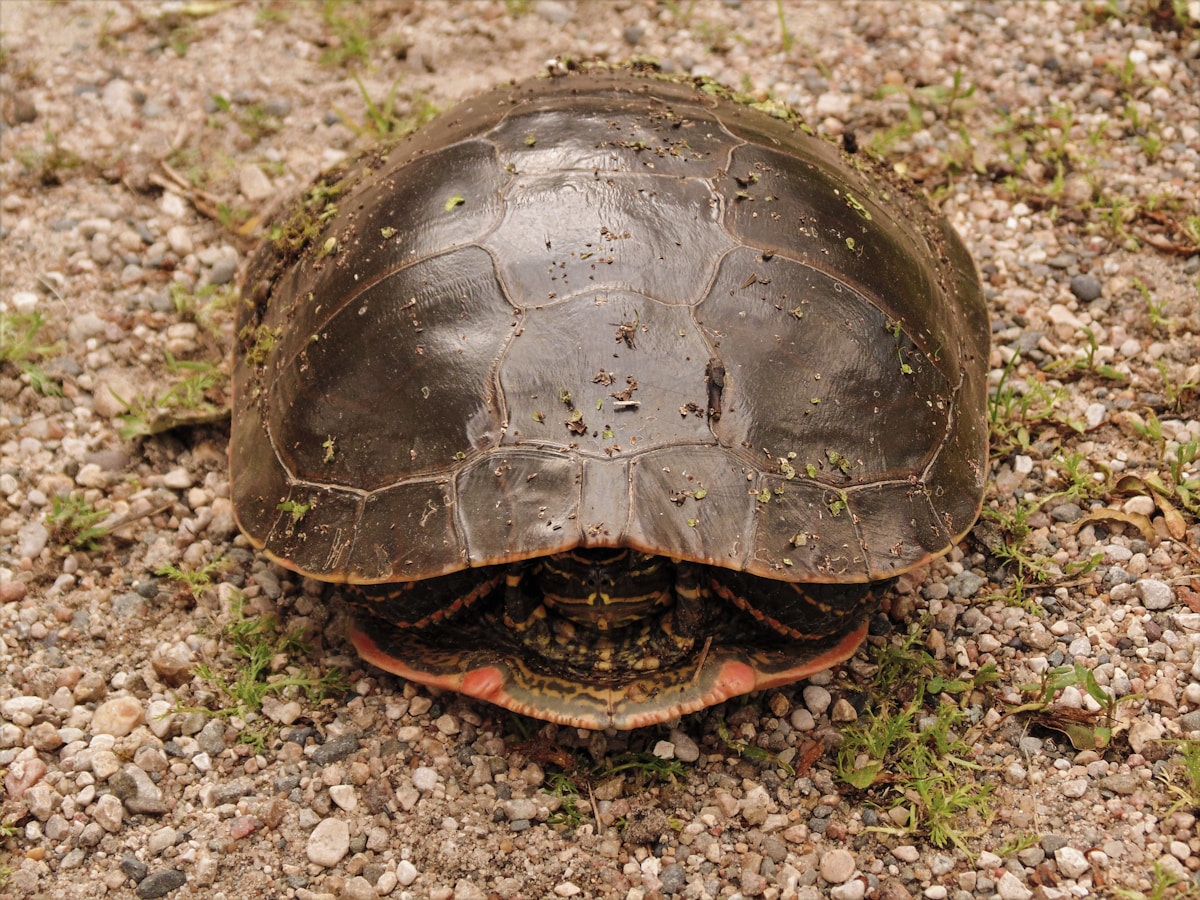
[
  {"x": 911, "y": 754},
  {"x": 184, "y": 403},
  {"x": 194, "y": 580},
  {"x": 75, "y": 522},
  {"x": 1154, "y": 308},
  {"x": 257, "y": 663}
]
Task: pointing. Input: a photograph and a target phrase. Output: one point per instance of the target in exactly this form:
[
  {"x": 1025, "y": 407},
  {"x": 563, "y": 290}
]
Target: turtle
[{"x": 606, "y": 396}]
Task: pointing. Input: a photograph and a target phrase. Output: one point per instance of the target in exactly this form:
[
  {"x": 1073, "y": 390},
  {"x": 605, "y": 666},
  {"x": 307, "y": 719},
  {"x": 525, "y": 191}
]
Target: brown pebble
[
  {"x": 243, "y": 826},
  {"x": 12, "y": 591},
  {"x": 68, "y": 677},
  {"x": 22, "y": 775},
  {"x": 273, "y": 813},
  {"x": 173, "y": 663},
  {"x": 843, "y": 712}
]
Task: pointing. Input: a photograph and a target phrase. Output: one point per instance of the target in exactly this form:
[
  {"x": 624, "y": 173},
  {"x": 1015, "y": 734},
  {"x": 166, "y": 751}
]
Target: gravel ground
[{"x": 143, "y": 147}]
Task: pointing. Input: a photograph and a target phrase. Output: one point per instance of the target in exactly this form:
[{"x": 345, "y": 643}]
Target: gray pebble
[
  {"x": 1086, "y": 288},
  {"x": 672, "y": 878},
  {"x": 130, "y": 604},
  {"x": 222, "y": 271},
  {"x": 133, "y": 868},
  {"x": 817, "y": 699},
  {"x": 212, "y": 737},
  {"x": 686, "y": 749},
  {"x": 229, "y": 792},
  {"x": 137, "y": 791},
  {"x": 32, "y": 538},
  {"x": 1052, "y": 842},
  {"x": 160, "y": 884},
  {"x": 1190, "y": 721},
  {"x": 965, "y": 584},
  {"x": 554, "y": 12},
  {"x": 1031, "y": 857},
  {"x": 1121, "y": 783},
  {"x": 334, "y": 749},
  {"x": 1066, "y": 512},
  {"x": 1155, "y": 594},
  {"x": 84, "y": 325}
]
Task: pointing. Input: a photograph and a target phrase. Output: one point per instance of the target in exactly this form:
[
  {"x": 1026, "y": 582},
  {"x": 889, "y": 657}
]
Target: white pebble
[
  {"x": 424, "y": 778},
  {"x": 24, "y": 301},
  {"x": 1075, "y": 788},
  {"x": 1141, "y": 505},
  {"x": 817, "y": 699},
  {"x": 987, "y": 861},
  {"x": 21, "y": 710},
  {"x": 344, "y": 796},
  {"x": 406, "y": 873},
  {"x": 1071, "y": 862},
  {"x": 1155, "y": 594},
  {"x": 180, "y": 240},
  {"x": 178, "y": 479},
  {"x": 1010, "y": 887},
  {"x": 855, "y": 889},
  {"x": 328, "y": 843},
  {"x": 906, "y": 853},
  {"x": 109, "y": 813}
]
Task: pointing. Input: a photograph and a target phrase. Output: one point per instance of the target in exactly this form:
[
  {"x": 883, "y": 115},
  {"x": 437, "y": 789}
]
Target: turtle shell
[{"x": 616, "y": 314}]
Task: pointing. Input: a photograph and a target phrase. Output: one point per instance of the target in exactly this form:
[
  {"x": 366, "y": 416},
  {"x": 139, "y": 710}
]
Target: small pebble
[
  {"x": 406, "y": 873},
  {"x": 328, "y": 843},
  {"x": 345, "y": 796},
  {"x": 843, "y": 712},
  {"x": 424, "y": 778},
  {"x": 1086, "y": 288},
  {"x": 109, "y": 813},
  {"x": 1071, "y": 862},
  {"x": 160, "y": 884},
  {"x": 817, "y": 699},
  {"x": 1010, "y": 887},
  {"x": 1155, "y": 594},
  {"x": 855, "y": 889},
  {"x": 118, "y": 717},
  {"x": 837, "y": 866}
]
